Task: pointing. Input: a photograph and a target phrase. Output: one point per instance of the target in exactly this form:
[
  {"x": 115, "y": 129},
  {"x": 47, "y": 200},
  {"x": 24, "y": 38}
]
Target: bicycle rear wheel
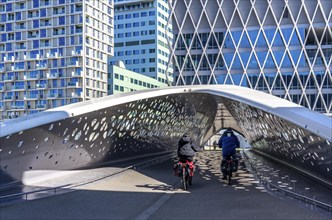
[
  {"x": 184, "y": 179},
  {"x": 229, "y": 174}
]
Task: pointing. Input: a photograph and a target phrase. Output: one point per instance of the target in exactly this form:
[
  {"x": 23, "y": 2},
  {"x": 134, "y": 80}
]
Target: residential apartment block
[{"x": 53, "y": 53}]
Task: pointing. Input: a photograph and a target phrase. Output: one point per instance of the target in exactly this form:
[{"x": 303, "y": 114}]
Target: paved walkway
[{"x": 154, "y": 193}]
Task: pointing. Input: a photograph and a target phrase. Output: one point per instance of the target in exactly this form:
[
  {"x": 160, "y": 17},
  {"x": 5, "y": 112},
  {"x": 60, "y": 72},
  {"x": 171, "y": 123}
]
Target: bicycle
[
  {"x": 186, "y": 172},
  {"x": 231, "y": 166}
]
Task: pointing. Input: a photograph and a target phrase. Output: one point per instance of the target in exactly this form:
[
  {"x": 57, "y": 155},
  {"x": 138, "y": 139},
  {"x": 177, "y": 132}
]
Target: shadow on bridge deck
[{"x": 154, "y": 193}]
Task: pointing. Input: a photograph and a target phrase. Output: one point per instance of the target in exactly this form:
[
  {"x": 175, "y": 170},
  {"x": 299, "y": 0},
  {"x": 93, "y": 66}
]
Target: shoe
[{"x": 224, "y": 178}]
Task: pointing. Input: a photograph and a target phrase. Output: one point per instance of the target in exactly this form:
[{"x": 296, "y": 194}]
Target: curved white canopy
[{"x": 314, "y": 122}]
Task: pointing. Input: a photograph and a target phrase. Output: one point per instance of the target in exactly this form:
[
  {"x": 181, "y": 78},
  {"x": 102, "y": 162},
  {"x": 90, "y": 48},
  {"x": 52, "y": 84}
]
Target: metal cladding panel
[
  {"x": 142, "y": 127},
  {"x": 124, "y": 126},
  {"x": 284, "y": 140}
]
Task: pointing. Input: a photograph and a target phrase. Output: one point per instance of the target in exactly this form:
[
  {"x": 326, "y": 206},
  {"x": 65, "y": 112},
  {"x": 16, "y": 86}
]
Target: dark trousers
[
  {"x": 224, "y": 161},
  {"x": 183, "y": 159}
]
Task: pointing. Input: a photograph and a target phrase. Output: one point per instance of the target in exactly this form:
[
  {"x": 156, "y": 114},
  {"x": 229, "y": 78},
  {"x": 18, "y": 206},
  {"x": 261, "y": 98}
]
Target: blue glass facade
[
  {"x": 141, "y": 32},
  {"x": 281, "y": 47}
]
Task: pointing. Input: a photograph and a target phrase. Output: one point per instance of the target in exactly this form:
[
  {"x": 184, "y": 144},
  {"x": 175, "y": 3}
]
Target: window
[
  {"x": 128, "y": 62},
  {"x": 62, "y": 20},
  {"x": 62, "y": 41}
]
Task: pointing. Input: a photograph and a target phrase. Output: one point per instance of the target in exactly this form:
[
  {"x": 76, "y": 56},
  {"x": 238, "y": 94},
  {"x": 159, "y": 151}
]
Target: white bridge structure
[{"x": 149, "y": 122}]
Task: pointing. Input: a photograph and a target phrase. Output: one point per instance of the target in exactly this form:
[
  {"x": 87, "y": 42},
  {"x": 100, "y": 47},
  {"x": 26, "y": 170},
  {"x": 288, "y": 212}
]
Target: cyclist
[
  {"x": 186, "y": 150},
  {"x": 228, "y": 142}
]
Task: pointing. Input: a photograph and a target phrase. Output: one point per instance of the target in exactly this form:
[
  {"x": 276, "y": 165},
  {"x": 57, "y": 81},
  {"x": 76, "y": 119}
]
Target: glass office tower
[
  {"x": 282, "y": 47},
  {"x": 53, "y": 53},
  {"x": 143, "y": 37}
]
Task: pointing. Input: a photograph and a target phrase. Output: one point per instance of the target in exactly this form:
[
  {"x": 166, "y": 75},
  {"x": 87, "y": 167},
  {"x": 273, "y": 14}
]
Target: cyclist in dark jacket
[
  {"x": 228, "y": 142},
  {"x": 186, "y": 149}
]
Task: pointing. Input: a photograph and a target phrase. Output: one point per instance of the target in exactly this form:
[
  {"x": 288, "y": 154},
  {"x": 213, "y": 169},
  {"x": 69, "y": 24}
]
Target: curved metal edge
[{"x": 314, "y": 122}]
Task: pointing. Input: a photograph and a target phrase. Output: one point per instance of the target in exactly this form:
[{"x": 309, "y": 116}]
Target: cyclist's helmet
[
  {"x": 185, "y": 137},
  {"x": 229, "y": 132}
]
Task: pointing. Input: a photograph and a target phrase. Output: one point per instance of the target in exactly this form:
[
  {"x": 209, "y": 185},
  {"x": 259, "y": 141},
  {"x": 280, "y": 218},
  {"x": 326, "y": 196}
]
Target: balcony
[
  {"x": 41, "y": 86},
  {"x": 32, "y": 36},
  {"x": 76, "y": 95},
  {"x": 20, "y": 27},
  {"x": 45, "y": 2},
  {"x": 74, "y": 64},
  {"x": 37, "y": 57},
  {"x": 20, "y": 47},
  {"x": 9, "y": 98},
  {"x": 31, "y": 97},
  {"x": 75, "y": 74},
  {"x": 40, "y": 106},
  {"x": 8, "y": 60},
  {"x": 43, "y": 66},
  {"x": 56, "y": 33},
  {"x": 45, "y": 23},
  {"x": 53, "y": 96},
  {"x": 33, "y": 76},
  {"x": 52, "y": 75},
  {"x": 20, "y": 7},
  {"x": 73, "y": 84},
  {"x": 8, "y": 79},
  {"x": 18, "y": 107},
  {"x": 18, "y": 88},
  {"x": 53, "y": 55},
  {"x": 77, "y": 53}
]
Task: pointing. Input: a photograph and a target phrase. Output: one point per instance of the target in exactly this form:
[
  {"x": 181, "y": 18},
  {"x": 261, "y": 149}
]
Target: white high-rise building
[
  {"x": 143, "y": 37},
  {"x": 282, "y": 47},
  {"x": 53, "y": 53}
]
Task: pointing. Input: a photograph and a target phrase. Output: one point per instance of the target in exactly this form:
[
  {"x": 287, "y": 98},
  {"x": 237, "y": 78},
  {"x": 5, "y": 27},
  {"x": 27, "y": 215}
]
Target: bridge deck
[{"x": 154, "y": 193}]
